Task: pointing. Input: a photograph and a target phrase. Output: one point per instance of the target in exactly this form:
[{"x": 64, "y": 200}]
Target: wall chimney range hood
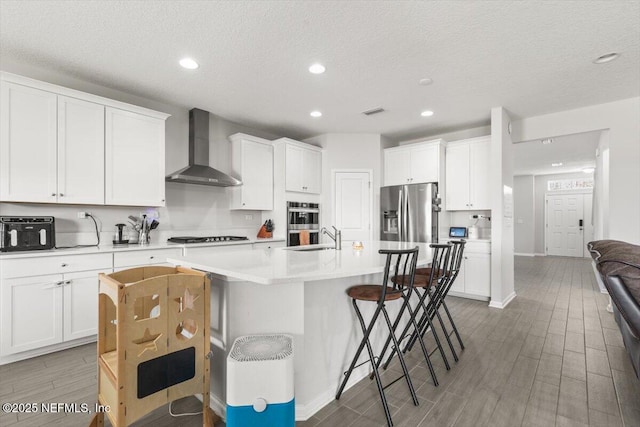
[{"x": 198, "y": 171}]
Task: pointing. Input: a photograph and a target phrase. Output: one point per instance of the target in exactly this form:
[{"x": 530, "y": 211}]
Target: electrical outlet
[
  {"x": 248, "y": 217},
  {"x": 82, "y": 215}
]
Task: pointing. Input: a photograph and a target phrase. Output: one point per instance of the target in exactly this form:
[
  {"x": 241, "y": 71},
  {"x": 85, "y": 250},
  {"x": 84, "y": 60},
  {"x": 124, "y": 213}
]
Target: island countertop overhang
[{"x": 283, "y": 265}]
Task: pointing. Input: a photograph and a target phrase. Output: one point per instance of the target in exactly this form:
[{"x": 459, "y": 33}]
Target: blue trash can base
[{"x": 276, "y": 415}]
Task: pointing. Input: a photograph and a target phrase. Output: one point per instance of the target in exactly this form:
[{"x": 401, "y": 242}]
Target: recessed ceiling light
[
  {"x": 556, "y": 164},
  {"x": 547, "y": 141},
  {"x": 189, "y": 63},
  {"x": 427, "y": 113},
  {"x": 606, "y": 58},
  {"x": 317, "y": 69},
  {"x": 425, "y": 81},
  {"x": 315, "y": 114},
  {"x": 588, "y": 170}
]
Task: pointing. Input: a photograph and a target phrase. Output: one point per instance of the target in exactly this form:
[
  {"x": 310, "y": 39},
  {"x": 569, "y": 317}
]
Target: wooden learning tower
[{"x": 153, "y": 341}]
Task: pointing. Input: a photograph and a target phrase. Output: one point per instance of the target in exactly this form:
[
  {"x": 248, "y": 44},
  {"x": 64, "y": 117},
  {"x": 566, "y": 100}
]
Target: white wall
[
  {"x": 349, "y": 151},
  {"x": 189, "y": 208},
  {"x": 501, "y": 182},
  {"x": 523, "y": 213},
  {"x": 621, "y": 119},
  {"x": 601, "y": 189}
]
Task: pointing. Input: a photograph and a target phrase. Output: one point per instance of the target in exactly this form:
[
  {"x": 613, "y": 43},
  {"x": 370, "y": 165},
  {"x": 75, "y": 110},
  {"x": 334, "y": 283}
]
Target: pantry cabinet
[
  {"x": 467, "y": 174},
  {"x": 53, "y": 142},
  {"x": 251, "y": 163},
  {"x": 414, "y": 163},
  {"x": 134, "y": 150},
  {"x": 303, "y": 167}
]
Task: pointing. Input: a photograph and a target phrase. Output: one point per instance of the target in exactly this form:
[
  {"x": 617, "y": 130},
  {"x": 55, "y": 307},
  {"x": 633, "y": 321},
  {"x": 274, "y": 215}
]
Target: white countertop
[
  {"x": 282, "y": 265},
  {"x": 108, "y": 248}
]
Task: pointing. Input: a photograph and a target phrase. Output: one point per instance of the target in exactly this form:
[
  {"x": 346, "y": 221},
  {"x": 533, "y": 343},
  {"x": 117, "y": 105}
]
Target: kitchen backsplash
[{"x": 191, "y": 209}]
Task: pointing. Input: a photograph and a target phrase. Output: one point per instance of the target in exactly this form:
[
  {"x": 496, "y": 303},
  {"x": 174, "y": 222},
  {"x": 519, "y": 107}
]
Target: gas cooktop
[{"x": 191, "y": 239}]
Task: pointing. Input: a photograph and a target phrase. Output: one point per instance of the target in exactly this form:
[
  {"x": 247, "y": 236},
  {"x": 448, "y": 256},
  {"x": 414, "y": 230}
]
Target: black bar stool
[
  {"x": 398, "y": 263},
  {"x": 439, "y": 262},
  {"x": 437, "y": 296}
]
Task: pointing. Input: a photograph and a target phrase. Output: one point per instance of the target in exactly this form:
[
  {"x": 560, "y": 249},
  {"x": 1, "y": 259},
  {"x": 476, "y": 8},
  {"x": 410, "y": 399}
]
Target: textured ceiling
[
  {"x": 575, "y": 152},
  {"x": 531, "y": 57}
]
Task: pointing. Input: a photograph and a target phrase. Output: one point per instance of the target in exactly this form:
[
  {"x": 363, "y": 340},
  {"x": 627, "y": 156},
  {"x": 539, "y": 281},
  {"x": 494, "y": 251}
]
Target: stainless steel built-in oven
[{"x": 302, "y": 217}]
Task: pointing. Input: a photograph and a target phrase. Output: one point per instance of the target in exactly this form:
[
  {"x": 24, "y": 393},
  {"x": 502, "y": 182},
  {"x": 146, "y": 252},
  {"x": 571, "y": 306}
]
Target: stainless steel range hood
[{"x": 199, "y": 171}]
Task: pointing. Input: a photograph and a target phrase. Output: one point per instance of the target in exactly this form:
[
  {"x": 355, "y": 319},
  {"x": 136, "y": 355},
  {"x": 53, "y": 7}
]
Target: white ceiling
[
  {"x": 575, "y": 152},
  {"x": 531, "y": 57}
]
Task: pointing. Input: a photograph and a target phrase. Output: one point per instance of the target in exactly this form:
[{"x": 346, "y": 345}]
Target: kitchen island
[{"x": 301, "y": 293}]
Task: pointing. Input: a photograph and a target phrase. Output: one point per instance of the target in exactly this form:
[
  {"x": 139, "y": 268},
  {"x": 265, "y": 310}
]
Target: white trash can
[{"x": 260, "y": 382}]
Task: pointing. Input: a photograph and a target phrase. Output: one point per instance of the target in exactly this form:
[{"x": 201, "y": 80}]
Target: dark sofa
[{"x": 619, "y": 266}]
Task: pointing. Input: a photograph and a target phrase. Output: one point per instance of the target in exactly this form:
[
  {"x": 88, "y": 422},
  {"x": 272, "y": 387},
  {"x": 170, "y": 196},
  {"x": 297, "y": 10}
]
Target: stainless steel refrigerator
[{"x": 409, "y": 213}]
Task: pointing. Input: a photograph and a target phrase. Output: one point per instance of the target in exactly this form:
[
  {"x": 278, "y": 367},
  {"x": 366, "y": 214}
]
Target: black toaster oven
[{"x": 27, "y": 233}]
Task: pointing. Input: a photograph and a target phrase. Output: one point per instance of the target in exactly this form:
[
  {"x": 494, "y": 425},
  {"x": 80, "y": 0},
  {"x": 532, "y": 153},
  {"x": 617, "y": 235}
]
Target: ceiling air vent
[{"x": 373, "y": 111}]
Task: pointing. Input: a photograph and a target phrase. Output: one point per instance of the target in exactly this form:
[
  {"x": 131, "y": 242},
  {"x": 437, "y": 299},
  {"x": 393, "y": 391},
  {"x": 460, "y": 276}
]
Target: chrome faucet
[{"x": 336, "y": 236}]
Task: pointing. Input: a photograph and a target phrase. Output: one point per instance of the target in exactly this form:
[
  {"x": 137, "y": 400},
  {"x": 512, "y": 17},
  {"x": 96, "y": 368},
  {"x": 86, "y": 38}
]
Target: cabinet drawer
[
  {"x": 216, "y": 249},
  {"x": 148, "y": 257},
  {"x": 36, "y": 266},
  {"x": 477, "y": 247}
]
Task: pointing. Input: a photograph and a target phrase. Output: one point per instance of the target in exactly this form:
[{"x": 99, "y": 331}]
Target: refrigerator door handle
[
  {"x": 405, "y": 218},
  {"x": 400, "y": 216}
]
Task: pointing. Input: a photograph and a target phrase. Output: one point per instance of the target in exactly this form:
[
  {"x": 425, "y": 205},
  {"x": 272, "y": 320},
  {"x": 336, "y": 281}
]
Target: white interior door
[
  {"x": 565, "y": 219},
  {"x": 353, "y": 210}
]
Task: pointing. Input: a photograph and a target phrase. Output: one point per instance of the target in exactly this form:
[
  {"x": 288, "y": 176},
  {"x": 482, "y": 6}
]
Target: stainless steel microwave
[{"x": 27, "y": 233}]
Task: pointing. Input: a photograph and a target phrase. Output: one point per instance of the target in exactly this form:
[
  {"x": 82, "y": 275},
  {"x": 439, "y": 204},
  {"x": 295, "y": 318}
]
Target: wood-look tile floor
[{"x": 554, "y": 356}]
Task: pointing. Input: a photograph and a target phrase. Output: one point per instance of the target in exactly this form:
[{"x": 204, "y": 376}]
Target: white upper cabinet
[
  {"x": 303, "y": 167},
  {"x": 252, "y": 163},
  {"x": 134, "y": 148},
  {"x": 414, "y": 163},
  {"x": 467, "y": 172},
  {"x": 28, "y": 123},
  {"x": 53, "y": 142},
  {"x": 80, "y": 151}
]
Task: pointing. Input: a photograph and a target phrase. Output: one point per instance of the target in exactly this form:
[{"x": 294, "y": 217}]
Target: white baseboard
[
  {"x": 523, "y": 254},
  {"x": 502, "y": 304},
  {"x": 468, "y": 296},
  {"x": 46, "y": 350},
  {"x": 537, "y": 254}
]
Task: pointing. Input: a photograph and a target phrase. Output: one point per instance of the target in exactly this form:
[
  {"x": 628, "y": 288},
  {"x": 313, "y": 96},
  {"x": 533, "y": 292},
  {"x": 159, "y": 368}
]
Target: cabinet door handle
[
  {"x": 162, "y": 200},
  {"x": 66, "y": 282},
  {"x": 61, "y": 195},
  {"x": 63, "y": 265},
  {"x": 52, "y": 285},
  {"x": 53, "y": 194},
  {"x": 151, "y": 257}
]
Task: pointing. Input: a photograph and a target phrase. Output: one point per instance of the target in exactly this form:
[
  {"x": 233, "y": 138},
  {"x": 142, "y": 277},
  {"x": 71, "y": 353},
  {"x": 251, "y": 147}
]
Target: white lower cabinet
[
  {"x": 31, "y": 313},
  {"x": 47, "y": 302},
  {"x": 474, "y": 278},
  {"x": 44, "y": 310},
  {"x": 80, "y": 302}
]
